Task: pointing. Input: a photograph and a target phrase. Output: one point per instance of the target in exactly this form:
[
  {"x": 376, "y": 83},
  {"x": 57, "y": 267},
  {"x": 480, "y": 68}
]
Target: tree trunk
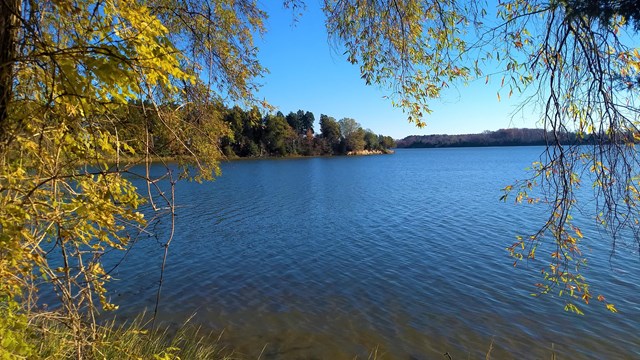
[{"x": 9, "y": 15}]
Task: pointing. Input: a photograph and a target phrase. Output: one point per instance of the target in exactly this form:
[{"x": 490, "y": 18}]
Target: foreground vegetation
[{"x": 47, "y": 338}]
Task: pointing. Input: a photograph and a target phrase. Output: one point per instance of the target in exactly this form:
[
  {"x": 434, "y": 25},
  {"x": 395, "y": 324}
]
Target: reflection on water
[{"x": 337, "y": 257}]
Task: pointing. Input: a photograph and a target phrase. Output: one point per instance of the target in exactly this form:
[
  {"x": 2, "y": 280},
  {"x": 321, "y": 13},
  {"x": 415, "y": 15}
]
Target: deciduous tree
[
  {"x": 280, "y": 137},
  {"x": 371, "y": 140},
  {"x": 71, "y": 73},
  {"x": 330, "y": 131},
  {"x": 352, "y": 134}
]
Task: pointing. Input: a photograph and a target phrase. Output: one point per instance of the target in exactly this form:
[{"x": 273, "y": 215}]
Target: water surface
[{"x": 404, "y": 254}]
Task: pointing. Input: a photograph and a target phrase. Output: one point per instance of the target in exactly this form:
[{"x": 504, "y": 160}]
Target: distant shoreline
[
  {"x": 471, "y": 146},
  {"x": 138, "y": 160},
  {"x": 502, "y": 137},
  {"x": 285, "y": 157}
]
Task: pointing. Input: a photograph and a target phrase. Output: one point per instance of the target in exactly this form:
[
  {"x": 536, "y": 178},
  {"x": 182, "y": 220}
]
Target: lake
[{"x": 403, "y": 255}]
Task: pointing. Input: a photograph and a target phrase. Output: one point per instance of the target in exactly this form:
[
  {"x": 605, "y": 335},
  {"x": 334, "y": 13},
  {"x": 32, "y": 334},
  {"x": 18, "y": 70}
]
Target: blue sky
[{"x": 308, "y": 73}]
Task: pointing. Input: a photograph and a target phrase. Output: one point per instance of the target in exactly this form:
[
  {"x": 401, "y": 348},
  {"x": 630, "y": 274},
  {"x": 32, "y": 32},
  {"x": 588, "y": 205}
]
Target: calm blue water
[{"x": 404, "y": 254}]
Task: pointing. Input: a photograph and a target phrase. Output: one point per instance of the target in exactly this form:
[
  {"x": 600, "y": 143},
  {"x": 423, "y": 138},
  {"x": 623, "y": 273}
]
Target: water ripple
[{"x": 333, "y": 257}]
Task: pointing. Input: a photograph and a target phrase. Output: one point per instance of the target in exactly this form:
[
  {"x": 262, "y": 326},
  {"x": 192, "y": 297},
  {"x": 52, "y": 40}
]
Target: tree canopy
[
  {"x": 68, "y": 139},
  {"x": 279, "y": 135}
]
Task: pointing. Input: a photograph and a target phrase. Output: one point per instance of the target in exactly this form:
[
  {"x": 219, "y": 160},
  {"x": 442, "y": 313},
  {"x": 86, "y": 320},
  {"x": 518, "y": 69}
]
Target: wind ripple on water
[{"x": 331, "y": 257}]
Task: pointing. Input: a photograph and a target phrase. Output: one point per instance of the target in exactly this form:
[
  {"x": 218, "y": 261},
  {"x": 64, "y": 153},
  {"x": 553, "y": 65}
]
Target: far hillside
[{"x": 502, "y": 137}]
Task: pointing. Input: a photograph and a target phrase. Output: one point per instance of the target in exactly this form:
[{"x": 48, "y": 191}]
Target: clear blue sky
[{"x": 308, "y": 73}]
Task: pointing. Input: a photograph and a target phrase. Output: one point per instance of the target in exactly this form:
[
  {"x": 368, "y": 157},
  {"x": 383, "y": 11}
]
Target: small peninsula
[
  {"x": 249, "y": 133},
  {"x": 253, "y": 135}
]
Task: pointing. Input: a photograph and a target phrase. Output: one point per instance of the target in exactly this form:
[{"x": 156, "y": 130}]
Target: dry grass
[{"x": 134, "y": 340}]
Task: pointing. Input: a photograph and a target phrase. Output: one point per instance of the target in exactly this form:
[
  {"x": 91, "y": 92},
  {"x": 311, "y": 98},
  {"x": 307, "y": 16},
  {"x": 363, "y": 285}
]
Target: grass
[
  {"x": 50, "y": 338},
  {"x": 134, "y": 340}
]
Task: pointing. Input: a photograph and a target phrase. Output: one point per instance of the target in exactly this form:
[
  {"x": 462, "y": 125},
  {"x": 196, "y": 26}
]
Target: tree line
[
  {"x": 506, "y": 137},
  {"x": 249, "y": 133},
  {"x": 254, "y": 135}
]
